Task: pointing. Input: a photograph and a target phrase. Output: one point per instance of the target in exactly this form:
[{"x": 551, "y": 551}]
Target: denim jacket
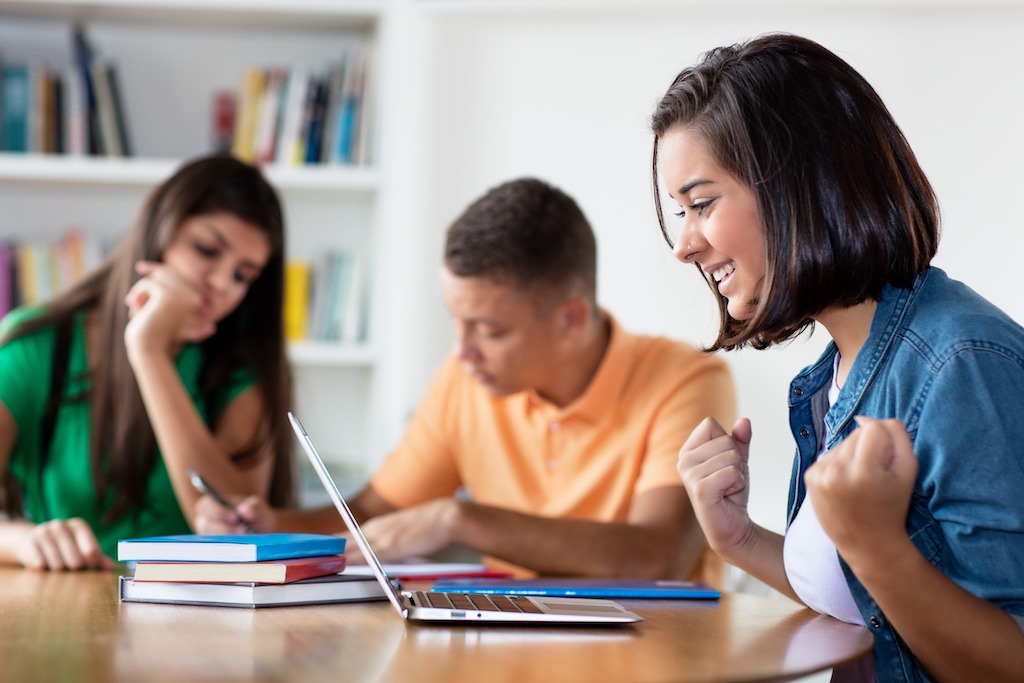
[{"x": 950, "y": 365}]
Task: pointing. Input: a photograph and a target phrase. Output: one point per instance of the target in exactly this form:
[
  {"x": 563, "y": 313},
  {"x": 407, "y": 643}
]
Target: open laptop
[{"x": 423, "y": 606}]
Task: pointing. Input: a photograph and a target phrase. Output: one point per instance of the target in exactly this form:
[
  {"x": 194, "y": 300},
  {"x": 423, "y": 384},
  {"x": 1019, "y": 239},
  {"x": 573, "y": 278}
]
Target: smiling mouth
[{"x": 724, "y": 272}]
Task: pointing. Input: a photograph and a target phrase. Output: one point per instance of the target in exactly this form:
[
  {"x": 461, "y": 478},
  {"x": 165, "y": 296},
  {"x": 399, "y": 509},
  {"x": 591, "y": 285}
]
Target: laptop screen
[{"x": 346, "y": 514}]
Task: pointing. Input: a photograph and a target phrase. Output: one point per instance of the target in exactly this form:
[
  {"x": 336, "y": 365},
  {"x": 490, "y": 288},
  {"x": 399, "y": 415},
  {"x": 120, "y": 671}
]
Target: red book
[{"x": 272, "y": 571}]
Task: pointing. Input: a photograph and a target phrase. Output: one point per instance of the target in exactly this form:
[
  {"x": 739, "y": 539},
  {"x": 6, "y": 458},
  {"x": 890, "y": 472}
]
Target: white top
[{"x": 811, "y": 560}]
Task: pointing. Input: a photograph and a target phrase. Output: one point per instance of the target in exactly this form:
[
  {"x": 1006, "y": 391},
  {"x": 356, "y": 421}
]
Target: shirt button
[
  {"x": 875, "y": 622},
  {"x": 554, "y": 426},
  {"x": 804, "y": 432}
]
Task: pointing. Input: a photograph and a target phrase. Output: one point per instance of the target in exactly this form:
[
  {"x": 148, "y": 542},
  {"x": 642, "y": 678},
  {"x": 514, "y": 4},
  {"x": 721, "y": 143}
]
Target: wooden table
[{"x": 70, "y": 626}]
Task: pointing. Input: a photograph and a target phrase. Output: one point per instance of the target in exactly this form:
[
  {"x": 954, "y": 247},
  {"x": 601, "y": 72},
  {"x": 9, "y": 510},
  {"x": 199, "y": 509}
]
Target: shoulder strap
[{"x": 58, "y": 374}]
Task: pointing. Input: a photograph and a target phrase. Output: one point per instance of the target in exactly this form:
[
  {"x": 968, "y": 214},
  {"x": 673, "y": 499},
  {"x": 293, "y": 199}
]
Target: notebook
[
  {"x": 590, "y": 588},
  {"x": 422, "y": 606}
]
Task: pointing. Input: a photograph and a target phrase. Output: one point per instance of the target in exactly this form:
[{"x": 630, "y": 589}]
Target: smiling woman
[
  {"x": 169, "y": 357},
  {"x": 803, "y": 204}
]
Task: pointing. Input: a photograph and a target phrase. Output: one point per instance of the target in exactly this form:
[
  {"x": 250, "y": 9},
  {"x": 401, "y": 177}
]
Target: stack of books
[{"x": 254, "y": 570}]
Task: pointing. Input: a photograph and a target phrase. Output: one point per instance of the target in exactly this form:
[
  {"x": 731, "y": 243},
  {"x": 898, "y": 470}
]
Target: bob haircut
[{"x": 844, "y": 205}]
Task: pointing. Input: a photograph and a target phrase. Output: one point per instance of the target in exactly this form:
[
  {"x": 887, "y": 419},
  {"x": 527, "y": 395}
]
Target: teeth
[{"x": 724, "y": 272}]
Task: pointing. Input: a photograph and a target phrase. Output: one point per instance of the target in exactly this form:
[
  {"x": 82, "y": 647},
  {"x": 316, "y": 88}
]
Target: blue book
[
  {"x": 15, "y": 96},
  {"x": 210, "y": 548},
  {"x": 581, "y": 588}
]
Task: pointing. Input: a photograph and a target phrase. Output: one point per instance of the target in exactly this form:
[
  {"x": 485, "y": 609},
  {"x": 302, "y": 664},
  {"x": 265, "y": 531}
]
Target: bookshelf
[{"x": 173, "y": 56}]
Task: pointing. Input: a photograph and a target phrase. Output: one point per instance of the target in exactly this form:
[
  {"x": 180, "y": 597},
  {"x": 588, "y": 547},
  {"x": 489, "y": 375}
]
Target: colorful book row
[
  {"x": 76, "y": 110},
  {"x": 291, "y": 116},
  {"x": 33, "y": 272},
  {"x": 325, "y": 300}
]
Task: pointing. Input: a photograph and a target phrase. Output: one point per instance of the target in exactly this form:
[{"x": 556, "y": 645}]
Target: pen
[{"x": 200, "y": 485}]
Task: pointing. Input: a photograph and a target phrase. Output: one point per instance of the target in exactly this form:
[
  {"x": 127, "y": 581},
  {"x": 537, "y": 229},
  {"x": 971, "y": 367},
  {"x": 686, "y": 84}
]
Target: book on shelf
[
  {"x": 268, "y": 115},
  {"x": 110, "y": 139},
  {"x": 227, "y": 548},
  {"x": 297, "y": 276},
  {"x": 35, "y": 271},
  {"x": 83, "y": 56},
  {"x": 295, "y": 116},
  {"x": 319, "y": 590},
  {"x": 290, "y": 148},
  {"x": 337, "y": 297},
  {"x": 250, "y": 95},
  {"x": 581, "y": 588},
  {"x": 270, "y": 571},
  {"x": 75, "y": 114},
  {"x": 15, "y": 97}
]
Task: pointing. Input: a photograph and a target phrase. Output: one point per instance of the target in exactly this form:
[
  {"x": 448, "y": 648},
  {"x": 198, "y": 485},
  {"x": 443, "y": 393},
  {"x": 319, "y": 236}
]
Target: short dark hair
[
  {"x": 844, "y": 204},
  {"x": 528, "y": 234}
]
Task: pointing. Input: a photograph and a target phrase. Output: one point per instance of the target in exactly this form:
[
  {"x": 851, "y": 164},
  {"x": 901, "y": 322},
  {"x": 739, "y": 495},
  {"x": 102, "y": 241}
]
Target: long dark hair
[
  {"x": 123, "y": 448},
  {"x": 844, "y": 204}
]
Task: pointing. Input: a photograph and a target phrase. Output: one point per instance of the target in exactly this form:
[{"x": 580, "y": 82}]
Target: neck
[
  {"x": 576, "y": 372},
  {"x": 849, "y": 328}
]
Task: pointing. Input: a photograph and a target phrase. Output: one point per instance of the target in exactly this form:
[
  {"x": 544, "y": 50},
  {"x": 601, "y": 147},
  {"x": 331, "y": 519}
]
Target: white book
[
  {"x": 290, "y": 142},
  {"x": 76, "y": 114},
  {"x": 323, "y": 589}
]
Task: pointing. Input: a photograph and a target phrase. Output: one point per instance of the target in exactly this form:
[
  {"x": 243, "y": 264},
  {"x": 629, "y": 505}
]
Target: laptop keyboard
[{"x": 472, "y": 601}]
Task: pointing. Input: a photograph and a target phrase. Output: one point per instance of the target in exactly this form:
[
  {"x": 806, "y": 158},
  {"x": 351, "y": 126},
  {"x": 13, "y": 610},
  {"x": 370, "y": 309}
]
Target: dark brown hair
[
  {"x": 844, "y": 204},
  {"x": 123, "y": 448},
  {"x": 526, "y": 233}
]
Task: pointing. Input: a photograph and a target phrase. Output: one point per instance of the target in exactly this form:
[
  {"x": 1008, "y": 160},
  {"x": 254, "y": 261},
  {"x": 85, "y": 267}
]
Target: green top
[{"x": 67, "y": 485}]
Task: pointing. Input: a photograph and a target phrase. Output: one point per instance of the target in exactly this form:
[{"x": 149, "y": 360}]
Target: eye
[
  {"x": 679, "y": 214},
  {"x": 245, "y": 278},
  {"x": 205, "y": 250},
  {"x": 701, "y": 207}
]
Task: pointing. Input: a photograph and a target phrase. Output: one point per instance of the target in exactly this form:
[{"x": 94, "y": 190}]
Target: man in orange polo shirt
[{"x": 561, "y": 428}]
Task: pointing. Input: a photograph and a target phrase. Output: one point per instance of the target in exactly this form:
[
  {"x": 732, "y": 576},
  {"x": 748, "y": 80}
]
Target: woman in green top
[{"x": 169, "y": 357}]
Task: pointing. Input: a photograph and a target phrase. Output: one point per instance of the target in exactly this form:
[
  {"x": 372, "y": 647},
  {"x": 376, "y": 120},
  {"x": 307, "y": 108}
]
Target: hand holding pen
[{"x": 203, "y": 487}]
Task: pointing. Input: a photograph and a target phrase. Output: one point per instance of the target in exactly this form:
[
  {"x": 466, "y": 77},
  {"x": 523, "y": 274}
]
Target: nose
[
  {"x": 220, "y": 276},
  {"x": 464, "y": 349},
  {"x": 688, "y": 246}
]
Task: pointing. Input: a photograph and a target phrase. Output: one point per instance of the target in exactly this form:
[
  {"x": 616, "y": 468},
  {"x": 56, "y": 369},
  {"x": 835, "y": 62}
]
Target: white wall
[{"x": 564, "y": 94}]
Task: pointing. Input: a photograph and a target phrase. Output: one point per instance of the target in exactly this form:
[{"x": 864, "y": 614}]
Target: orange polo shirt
[{"x": 588, "y": 460}]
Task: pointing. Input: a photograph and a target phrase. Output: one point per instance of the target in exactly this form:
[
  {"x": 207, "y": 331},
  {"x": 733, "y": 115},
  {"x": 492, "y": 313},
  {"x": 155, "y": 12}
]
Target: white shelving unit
[{"x": 172, "y": 57}]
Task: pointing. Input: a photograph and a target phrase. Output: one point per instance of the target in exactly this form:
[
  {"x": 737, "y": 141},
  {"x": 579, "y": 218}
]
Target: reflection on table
[{"x": 70, "y": 626}]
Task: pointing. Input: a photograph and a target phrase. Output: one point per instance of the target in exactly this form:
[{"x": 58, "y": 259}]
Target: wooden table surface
[{"x": 70, "y": 626}]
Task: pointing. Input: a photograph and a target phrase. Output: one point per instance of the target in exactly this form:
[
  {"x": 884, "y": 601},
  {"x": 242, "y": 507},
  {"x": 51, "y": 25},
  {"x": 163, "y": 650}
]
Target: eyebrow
[{"x": 694, "y": 183}]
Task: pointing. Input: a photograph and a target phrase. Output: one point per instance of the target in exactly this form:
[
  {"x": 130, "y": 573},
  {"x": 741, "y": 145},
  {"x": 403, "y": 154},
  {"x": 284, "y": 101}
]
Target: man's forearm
[
  {"x": 322, "y": 520},
  {"x": 576, "y": 547}
]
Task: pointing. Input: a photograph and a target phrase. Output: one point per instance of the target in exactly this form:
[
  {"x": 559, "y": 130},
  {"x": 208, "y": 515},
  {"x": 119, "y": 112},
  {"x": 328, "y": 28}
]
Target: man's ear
[{"x": 575, "y": 314}]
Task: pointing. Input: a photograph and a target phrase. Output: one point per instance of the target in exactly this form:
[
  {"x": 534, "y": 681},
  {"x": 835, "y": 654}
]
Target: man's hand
[
  {"x": 213, "y": 518},
  {"x": 713, "y": 466},
  {"x": 412, "y": 532},
  {"x": 861, "y": 490},
  {"x": 62, "y": 544}
]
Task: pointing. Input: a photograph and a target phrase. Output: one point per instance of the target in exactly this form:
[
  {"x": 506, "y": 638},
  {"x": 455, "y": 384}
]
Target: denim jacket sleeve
[{"x": 968, "y": 432}]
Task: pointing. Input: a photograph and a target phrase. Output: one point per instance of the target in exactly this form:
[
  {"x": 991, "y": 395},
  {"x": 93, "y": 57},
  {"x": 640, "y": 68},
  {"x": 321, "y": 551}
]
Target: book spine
[
  {"x": 16, "y": 100},
  {"x": 296, "y": 300},
  {"x": 83, "y": 56},
  {"x": 250, "y": 94}
]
